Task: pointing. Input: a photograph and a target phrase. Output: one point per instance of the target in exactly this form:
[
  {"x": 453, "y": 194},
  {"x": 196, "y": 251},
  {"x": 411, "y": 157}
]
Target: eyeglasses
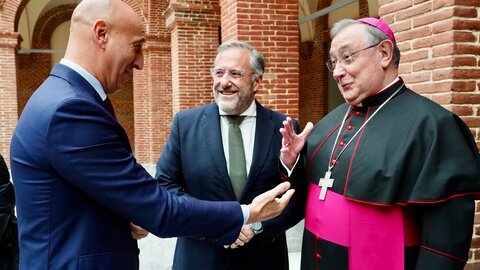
[
  {"x": 346, "y": 59},
  {"x": 218, "y": 73}
]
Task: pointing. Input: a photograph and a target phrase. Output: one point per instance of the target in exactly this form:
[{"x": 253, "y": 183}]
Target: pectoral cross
[{"x": 324, "y": 183}]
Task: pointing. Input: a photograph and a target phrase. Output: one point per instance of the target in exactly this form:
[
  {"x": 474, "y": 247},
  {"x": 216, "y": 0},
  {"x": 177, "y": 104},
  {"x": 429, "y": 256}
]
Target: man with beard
[{"x": 203, "y": 158}]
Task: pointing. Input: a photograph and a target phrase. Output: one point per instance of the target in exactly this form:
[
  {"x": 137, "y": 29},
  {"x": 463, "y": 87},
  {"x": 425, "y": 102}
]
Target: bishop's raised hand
[{"x": 292, "y": 143}]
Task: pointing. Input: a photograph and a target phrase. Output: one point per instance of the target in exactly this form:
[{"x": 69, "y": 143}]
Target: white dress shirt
[{"x": 247, "y": 127}]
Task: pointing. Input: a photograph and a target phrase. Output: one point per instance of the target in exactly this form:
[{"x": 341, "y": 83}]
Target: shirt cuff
[{"x": 246, "y": 213}]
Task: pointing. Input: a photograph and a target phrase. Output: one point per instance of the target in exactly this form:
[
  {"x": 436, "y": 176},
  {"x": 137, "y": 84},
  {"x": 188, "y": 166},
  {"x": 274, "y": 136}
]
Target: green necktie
[{"x": 236, "y": 156}]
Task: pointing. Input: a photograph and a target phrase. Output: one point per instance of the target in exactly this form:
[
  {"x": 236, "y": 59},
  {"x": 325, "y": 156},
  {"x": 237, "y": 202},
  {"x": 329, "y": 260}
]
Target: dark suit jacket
[
  {"x": 78, "y": 185},
  {"x": 7, "y": 201},
  {"x": 8, "y": 222},
  {"x": 193, "y": 162}
]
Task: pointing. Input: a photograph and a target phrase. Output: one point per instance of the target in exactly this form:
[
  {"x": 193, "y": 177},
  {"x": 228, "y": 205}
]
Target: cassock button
[
  {"x": 318, "y": 256},
  {"x": 358, "y": 113},
  {"x": 349, "y": 127},
  {"x": 342, "y": 143},
  {"x": 334, "y": 161}
]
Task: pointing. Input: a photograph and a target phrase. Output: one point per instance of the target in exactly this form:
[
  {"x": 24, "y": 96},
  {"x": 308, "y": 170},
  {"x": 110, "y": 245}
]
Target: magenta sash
[{"x": 375, "y": 235}]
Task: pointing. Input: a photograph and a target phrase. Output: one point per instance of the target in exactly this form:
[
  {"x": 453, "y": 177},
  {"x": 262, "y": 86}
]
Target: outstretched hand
[
  {"x": 292, "y": 143},
  {"x": 138, "y": 232},
  {"x": 267, "y": 205}
]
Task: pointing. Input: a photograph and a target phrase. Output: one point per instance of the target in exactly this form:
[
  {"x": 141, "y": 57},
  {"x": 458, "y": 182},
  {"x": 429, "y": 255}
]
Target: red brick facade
[{"x": 439, "y": 41}]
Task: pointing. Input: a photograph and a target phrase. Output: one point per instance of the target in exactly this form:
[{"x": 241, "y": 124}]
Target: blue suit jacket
[
  {"x": 193, "y": 162},
  {"x": 78, "y": 186}
]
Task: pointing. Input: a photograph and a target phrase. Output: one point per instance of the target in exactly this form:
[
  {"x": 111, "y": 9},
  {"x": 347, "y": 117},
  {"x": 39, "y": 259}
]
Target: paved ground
[{"x": 157, "y": 253}]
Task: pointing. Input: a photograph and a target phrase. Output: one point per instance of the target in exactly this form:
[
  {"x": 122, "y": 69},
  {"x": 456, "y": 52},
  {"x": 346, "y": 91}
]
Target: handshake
[{"x": 265, "y": 206}]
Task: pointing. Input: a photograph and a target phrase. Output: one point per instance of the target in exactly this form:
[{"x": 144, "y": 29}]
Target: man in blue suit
[
  {"x": 77, "y": 183},
  {"x": 208, "y": 175}
]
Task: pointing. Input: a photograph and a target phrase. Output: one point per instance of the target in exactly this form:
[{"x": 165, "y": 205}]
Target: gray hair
[
  {"x": 374, "y": 36},
  {"x": 257, "y": 61}
]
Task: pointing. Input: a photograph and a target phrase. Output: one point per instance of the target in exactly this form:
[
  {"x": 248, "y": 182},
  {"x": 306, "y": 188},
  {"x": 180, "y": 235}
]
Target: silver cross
[{"x": 324, "y": 183}]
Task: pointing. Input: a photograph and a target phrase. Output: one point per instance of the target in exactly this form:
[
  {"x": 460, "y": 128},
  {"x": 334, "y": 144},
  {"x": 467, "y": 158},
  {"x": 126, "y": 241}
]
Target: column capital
[
  {"x": 10, "y": 39},
  {"x": 191, "y": 13},
  {"x": 157, "y": 43}
]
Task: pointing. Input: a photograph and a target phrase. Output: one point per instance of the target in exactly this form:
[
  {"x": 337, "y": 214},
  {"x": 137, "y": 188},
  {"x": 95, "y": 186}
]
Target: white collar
[{"x": 86, "y": 75}]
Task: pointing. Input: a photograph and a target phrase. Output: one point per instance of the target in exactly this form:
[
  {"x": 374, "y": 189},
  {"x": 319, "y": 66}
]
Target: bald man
[{"x": 77, "y": 183}]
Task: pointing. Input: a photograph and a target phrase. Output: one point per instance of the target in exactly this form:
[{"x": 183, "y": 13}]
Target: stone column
[
  {"x": 152, "y": 87},
  {"x": 272, "y": 27},
  {"x": 194, "y": 32},
  {"x": 8, "y": 90}
]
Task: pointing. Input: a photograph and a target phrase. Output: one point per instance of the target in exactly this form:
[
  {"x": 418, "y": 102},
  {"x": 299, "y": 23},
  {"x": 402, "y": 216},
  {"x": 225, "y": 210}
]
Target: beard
[
  {"x": 229, "y": 104},
  {"x": 233, "y": 100},
  {"x": 234, "y": 103}
]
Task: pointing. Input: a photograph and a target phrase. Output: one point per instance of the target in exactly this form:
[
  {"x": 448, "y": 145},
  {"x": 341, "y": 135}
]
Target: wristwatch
[{"x": 257, "y": 227}]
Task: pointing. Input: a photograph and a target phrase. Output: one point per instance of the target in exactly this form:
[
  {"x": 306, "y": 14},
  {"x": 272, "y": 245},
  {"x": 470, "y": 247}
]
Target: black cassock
[{"x": 403, "y": 190}]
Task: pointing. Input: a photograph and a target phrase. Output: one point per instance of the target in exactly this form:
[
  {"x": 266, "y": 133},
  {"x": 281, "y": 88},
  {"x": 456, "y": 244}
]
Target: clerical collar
[
  {"x": 382, "y": 95},
  {"x": 327, "y": 181}
]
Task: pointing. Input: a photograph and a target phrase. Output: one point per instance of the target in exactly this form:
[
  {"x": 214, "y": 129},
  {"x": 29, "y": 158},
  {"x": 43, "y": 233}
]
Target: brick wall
[
  {"x": 313, "y": 104},
  {"x": 32, "y": 69},
  {"x": 440, "y": 48},
  {"x": 9, "y": 40},
  {"x": 194, "y": 28},
  {"x": 153, "y": 86},
  {"x": 271, "y": 27},
  {"x": 8, "y": 93}
]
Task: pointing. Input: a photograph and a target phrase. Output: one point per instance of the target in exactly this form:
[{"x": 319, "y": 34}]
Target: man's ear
[
  {"x": 256, "y": 83},
  {"x": 100, "y": 33},
  {"x": 386, "y": 49}
]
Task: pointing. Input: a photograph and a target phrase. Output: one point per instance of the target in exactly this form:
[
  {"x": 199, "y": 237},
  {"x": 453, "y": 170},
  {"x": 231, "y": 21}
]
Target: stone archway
[
  {"x": 151, "y": 98},
  {"x": 41, "y": 64}
]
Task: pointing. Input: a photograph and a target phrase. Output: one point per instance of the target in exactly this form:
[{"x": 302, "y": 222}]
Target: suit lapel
[
  {"x": 210, "y": 124},
  {"x": 264, "y": 132}
]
